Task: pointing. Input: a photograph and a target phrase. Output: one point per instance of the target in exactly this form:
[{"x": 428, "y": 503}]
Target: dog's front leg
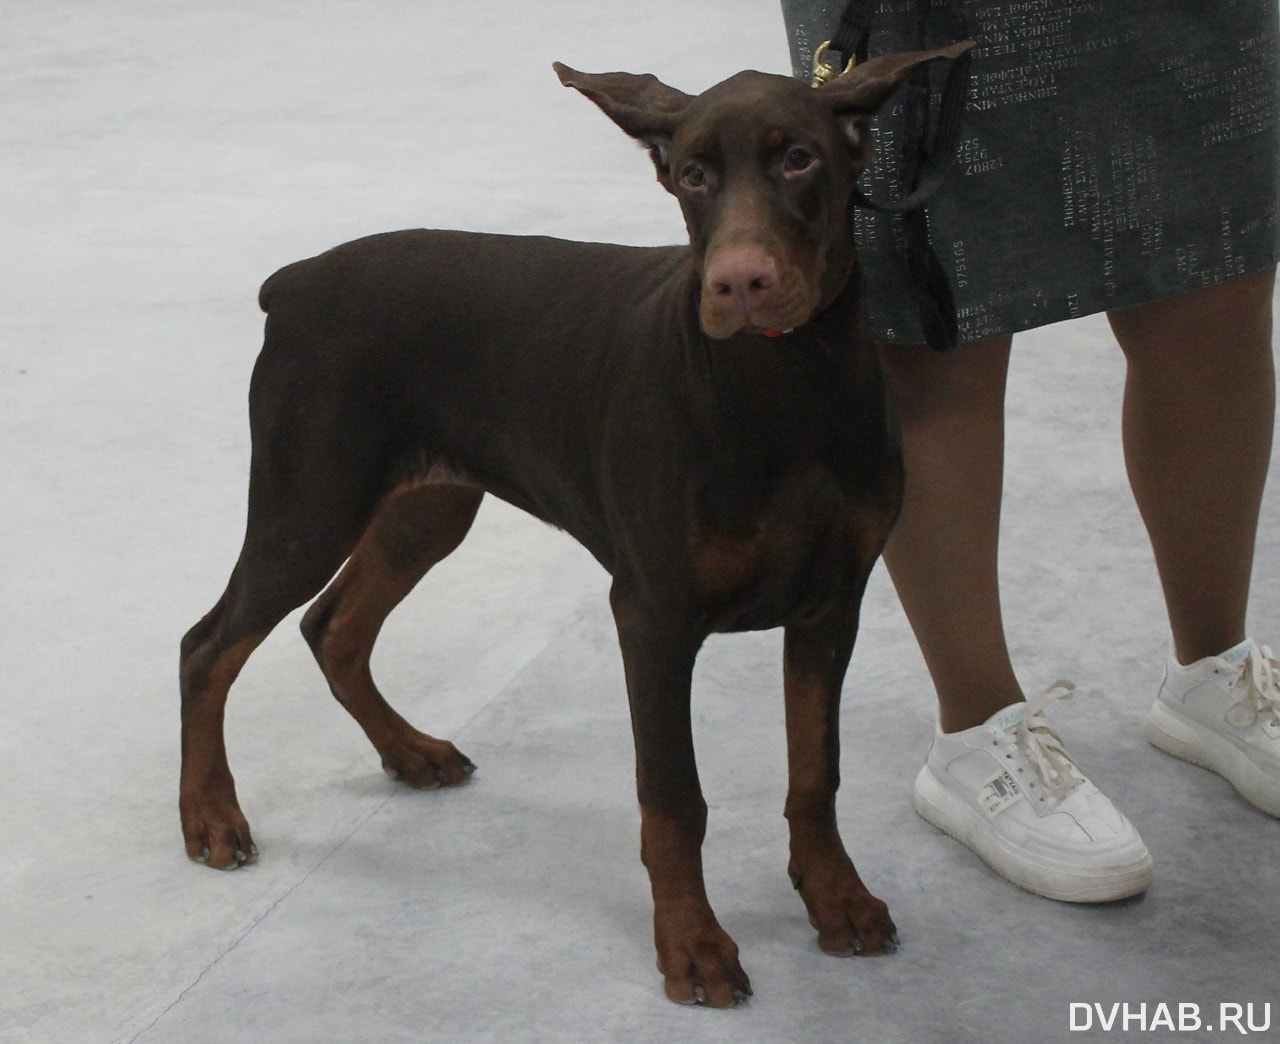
[
  {"x": 697, "y": 958},
  {"x": 849, "y": 919}
]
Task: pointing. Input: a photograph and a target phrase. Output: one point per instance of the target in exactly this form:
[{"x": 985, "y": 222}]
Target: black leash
[{"x": 928, "y": 147}]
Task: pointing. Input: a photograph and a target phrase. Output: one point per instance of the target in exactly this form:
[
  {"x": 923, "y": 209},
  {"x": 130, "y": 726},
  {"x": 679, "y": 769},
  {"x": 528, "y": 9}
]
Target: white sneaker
[
  {"x": 1009, "y": 791},
  {"x": 1223, "y": 713}
]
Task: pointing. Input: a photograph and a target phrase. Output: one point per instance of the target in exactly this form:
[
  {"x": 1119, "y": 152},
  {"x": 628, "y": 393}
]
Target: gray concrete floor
[{"x": 158, "y": 161}]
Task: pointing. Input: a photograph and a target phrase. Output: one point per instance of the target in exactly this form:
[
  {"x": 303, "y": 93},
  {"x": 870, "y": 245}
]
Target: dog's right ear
[
  {"x": 642, "y": 105},
  {"x": 855, "y": 95}
]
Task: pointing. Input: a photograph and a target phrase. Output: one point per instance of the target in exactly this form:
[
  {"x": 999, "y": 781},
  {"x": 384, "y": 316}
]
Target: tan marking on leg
[{"x": 697, "y": 958}]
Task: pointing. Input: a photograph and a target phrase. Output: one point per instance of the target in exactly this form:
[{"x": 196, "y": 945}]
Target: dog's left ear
[
  {"x": 642, "y": 105},
  {"x": 854, "y": 97}
]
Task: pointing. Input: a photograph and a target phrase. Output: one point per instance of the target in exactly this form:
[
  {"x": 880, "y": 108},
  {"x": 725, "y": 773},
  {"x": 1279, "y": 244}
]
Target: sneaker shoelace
[
  {"x": 1041, "y": 745},
  {"x": 1259, "y": 680}
]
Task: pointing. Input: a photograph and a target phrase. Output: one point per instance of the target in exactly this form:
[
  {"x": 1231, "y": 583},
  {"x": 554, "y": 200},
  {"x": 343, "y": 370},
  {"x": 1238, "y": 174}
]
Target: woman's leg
[
  {"x": 1198, "y": 424},
  {"x": 942, "y": 556},
  {"x": 996, "y": 776},
  {"x": 1199, "y": 413}
]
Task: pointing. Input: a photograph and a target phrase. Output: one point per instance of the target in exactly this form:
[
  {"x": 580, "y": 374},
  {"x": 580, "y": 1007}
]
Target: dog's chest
[
  {"x": 795, "y": 495},
  {"x": 807, "y": 545}
]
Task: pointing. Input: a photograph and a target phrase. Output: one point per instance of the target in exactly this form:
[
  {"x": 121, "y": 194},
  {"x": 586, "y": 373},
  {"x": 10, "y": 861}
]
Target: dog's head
[{"x": 764, "y": 168}]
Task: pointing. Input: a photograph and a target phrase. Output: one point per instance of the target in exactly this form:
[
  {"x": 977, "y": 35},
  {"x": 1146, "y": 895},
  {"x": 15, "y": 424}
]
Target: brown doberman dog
[{"x": 710, "y": 421}]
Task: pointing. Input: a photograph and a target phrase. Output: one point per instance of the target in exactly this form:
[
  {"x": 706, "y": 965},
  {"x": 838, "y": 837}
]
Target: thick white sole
[
  {"x": 1175, "y": 734},
  {"x": 951, "y": 815}
]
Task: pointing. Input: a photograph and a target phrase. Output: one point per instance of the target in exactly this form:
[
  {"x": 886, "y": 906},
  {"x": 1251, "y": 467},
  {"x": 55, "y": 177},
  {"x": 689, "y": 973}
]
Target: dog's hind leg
[
  {"x": 280, "y": 567},
  {"x": 413, "y": 529},
  {"x": 213, "y": 826},
  {"x": 311, "y": 493}
]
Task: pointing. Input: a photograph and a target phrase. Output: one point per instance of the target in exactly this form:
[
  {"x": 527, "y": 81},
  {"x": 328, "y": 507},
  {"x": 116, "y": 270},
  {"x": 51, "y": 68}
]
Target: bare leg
[
  {"x": 944, "y": 563},
  {"x": 942, "y": 556},
  {"x": 1199, "y": 411}
]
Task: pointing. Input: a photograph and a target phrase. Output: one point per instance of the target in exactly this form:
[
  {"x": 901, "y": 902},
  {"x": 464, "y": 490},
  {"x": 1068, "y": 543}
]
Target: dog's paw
[
  {"x": 425, "y": 763},
  {"x": 862, "y": 928},
  {"x": 697, "y": 958},
  {"x": 218, "y": 837},
  {"x": 851, "y": 922}
]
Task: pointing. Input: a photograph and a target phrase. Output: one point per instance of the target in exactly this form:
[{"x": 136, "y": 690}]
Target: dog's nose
[{"x": 744, "y": 273}]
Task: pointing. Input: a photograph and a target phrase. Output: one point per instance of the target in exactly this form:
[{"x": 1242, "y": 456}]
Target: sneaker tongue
[
  {"x": 1007, "y": 720},
  {"x": 1237, "y": 654}
]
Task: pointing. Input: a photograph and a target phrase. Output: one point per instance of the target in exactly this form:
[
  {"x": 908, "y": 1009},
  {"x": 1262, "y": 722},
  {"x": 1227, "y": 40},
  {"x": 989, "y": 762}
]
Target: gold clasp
[{"x": 824, "y": 73}]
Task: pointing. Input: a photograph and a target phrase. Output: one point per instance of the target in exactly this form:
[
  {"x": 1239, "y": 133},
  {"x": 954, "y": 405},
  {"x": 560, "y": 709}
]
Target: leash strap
[
  {"x": 928, "y": 147},
  {"x": 849, "y": 42},
  {"x": 928, "y": 144}
]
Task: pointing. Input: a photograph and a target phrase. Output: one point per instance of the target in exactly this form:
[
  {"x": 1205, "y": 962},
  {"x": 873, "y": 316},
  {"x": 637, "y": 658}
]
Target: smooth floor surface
[{"x": 157, "y": 161}]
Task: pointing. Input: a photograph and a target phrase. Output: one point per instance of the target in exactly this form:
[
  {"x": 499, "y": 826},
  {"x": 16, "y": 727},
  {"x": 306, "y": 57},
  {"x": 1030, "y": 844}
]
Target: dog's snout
[
  {"x": 744, "y": 273},
  {"x": 747, "y": 286}
]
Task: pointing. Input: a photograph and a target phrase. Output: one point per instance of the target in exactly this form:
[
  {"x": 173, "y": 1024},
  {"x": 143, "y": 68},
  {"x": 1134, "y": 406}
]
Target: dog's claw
[
  {"x": 857, "y": 949},
  {"x": 699, "y": 998},
  {"x": 239, "y": 858},
  {"x": 468, "y": 770}
]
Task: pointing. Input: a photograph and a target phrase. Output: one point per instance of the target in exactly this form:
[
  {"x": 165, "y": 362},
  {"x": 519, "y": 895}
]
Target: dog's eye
[
  {"x": 693, "y": 176},
  {"x": 797, "y": 160}
]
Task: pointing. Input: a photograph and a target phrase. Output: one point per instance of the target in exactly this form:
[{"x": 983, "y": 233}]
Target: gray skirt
[{"x": 1112, "y": 152}]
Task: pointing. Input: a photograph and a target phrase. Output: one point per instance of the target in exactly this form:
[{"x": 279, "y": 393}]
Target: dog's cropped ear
[
  {"x": 642, "y": 105},
  {"x": 857, "y": 95}
]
